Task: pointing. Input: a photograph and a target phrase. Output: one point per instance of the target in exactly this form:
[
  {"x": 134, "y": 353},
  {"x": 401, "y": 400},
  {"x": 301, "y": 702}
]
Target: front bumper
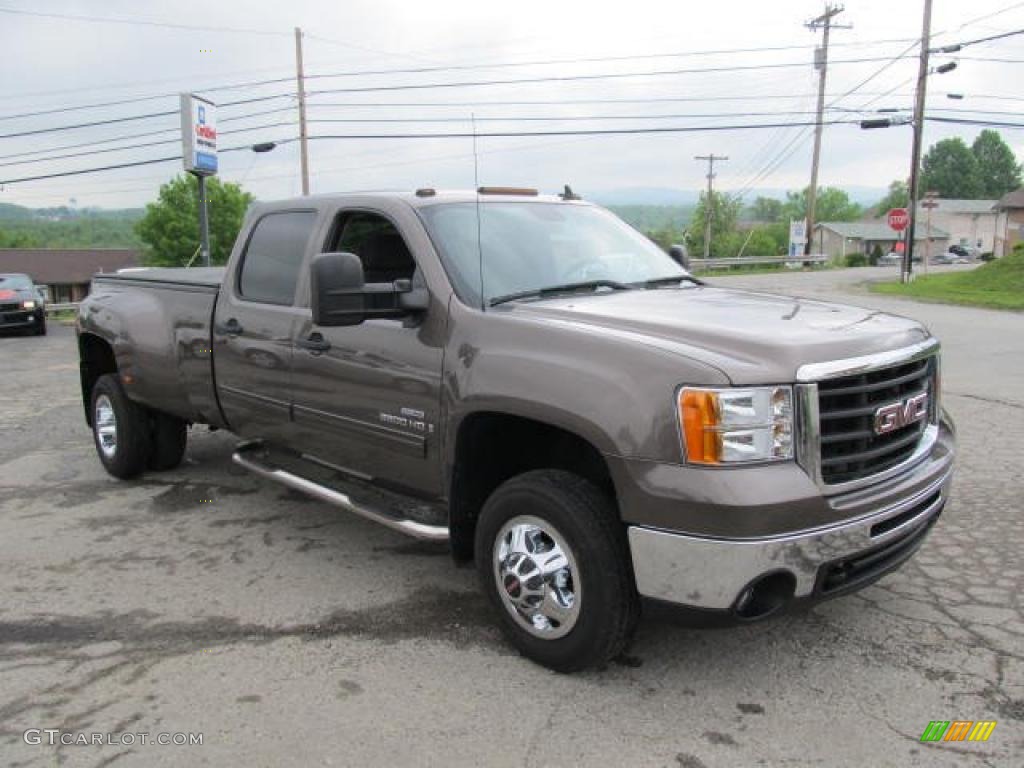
[
  {"x": 29, "y": 318},
  {"x": 713, "y": 574}
]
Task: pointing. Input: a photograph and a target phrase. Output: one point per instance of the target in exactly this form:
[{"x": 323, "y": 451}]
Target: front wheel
[{"x": 553, "y": 560}]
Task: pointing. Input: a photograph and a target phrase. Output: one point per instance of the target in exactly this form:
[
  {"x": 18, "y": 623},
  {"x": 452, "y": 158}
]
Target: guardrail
[
  {"x": 53, "y": 308},
  {"x": 705, "y": 264}
]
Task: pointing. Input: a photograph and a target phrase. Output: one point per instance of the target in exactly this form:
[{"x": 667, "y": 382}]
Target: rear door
[
  {"x": 367, "y": 397},
  {"x": 254, "y": 323}
]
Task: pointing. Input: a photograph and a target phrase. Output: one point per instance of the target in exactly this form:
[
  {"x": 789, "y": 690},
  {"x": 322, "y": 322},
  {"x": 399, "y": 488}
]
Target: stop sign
[{"x": 898, "y": 219}]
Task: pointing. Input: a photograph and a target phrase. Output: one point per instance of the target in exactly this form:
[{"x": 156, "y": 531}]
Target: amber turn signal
[{"x": 698, "y": 410}]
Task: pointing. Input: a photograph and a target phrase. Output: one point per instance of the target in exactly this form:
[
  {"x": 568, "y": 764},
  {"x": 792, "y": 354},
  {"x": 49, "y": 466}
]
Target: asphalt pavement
[{"x": 289, "y": 633}]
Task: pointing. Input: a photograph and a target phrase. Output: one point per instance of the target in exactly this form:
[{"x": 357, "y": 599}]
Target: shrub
[
  {"x": 855, "y": 260},
  {"x": 987, "y": 256},
  {"x": 876, "y": 255}
]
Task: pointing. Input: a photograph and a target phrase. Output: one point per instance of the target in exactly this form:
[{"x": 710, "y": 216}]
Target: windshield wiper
[
  {"x": 565, "y": 288},
  {"x": 659, "y": 281}
]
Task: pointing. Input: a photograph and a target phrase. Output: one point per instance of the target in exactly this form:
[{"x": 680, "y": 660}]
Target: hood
[{"x": 754, "y": 338}]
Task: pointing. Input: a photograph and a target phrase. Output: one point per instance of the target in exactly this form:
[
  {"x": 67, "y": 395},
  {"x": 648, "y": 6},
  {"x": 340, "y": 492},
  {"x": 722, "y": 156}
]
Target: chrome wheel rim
[
  {"x": 106, "y": 426},
  {"x": 537, "y": 577}
]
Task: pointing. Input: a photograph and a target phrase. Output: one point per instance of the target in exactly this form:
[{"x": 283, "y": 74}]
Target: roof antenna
[
  {"x": 568, "y": 194},
  {"x": 479, "y": 235}
]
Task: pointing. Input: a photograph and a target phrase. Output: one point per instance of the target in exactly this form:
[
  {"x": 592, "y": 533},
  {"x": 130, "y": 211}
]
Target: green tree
[
  {"x": 725, "y": 210},
  {"x": 951, "y": 169},
  {"x": 896, "y": 197},
  {"x": 170, "y": 226},
  {"x": 832, "y": 204},
  {"x": 761, "y": 242},
  {"x": 766, "y": 209},
  {"x": 997, "y": 166}
]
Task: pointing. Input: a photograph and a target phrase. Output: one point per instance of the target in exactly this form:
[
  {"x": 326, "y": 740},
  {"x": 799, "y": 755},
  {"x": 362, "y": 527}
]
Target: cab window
[
  {"x": 273, "y": 256},
  {"x": 377, "y": 243}
]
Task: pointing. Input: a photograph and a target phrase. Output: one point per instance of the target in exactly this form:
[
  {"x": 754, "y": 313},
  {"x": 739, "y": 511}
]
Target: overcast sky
[{"x": 58, "y": 63}]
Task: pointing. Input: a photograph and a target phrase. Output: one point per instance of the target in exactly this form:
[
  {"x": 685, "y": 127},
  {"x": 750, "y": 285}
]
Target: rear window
[{"x": 273, "y": 255}]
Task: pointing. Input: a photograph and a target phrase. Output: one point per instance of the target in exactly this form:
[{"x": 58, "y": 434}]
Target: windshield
[
  {"x": 534, "y": 245},
  {"x": 15, "y": 281}
]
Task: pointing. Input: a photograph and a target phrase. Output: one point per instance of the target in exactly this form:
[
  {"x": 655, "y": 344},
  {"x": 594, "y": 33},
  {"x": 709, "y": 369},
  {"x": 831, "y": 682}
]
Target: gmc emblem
[{"x": 895, "y": 416}]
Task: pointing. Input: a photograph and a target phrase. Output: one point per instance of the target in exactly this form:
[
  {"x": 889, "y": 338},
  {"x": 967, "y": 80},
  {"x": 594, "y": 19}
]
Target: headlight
[
  {"x": 28, "y": 304},
  {"x": 734, "y": 426}
]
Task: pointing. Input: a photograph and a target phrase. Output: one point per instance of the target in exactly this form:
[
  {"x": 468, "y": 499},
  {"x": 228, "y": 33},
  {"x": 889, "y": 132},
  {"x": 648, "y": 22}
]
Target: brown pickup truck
[{"x": 533, "y": 381}]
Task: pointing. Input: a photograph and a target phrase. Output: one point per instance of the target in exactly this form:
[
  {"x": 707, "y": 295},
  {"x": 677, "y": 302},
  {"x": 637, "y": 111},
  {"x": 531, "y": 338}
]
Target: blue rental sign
[{"x": 198, "y": 135}]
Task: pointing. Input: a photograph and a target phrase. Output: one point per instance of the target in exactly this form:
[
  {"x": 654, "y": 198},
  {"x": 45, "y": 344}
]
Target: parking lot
[{"x": 287, "y": 632}]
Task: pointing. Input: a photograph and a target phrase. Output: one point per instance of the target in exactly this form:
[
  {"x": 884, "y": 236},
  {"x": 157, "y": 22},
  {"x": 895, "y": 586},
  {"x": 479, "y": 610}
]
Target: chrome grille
[{"x": 849, "y": 447}]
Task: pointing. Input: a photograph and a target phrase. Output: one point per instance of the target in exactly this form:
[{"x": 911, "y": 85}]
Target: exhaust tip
[{"x": 765, "y": 595}]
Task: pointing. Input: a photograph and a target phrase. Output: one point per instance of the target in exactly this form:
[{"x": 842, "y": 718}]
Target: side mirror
[
  {"x": 336, "y": 286},
  {"x": 678, "y": 254},
  {"x": 341, "y": 296}
]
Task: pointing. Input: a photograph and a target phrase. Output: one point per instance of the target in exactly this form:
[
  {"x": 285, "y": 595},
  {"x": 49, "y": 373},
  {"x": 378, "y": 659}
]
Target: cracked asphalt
[{"x": 205, "y": 600}]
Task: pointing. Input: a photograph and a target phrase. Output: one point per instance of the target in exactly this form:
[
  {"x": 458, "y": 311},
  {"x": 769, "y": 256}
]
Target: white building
[{"x": 974, "y": 223}]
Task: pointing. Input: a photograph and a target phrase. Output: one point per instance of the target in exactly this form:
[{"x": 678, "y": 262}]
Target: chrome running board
[{"x": 254, "y": 457}]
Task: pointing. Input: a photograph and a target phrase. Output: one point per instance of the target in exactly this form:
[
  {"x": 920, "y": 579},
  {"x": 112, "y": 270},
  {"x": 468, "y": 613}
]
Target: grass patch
[{"x": 997, "y": 285}]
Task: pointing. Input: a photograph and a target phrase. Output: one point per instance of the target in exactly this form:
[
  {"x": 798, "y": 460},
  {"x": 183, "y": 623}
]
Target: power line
[
  {"x": 142, "y": 22},
  {"x": 550, "y": 102},
  {"x": 438, "y": 68},
  {"x": 133, "y": 118},
  {"x": 967, "y": 121},
  {"x": 451, "y": 135},
  {"x": 576, "y": 78},
  {"x": 161, "y": 142},
  {"x": 990, "y": 38},
  {"x": 142, "y": 135}
]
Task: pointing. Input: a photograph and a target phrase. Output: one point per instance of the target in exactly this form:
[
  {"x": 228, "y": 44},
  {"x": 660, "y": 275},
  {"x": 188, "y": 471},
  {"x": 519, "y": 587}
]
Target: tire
[
  {"x": 113, "y": 414},
  {"x": 544, "y": 510},
  {"x": 169, "y": 436}
]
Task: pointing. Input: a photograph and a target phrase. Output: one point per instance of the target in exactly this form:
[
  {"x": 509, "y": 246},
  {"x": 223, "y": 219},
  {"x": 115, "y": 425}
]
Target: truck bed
[
  {"x": 157, "y": 322},
  {"x": 192, "y": 277}
]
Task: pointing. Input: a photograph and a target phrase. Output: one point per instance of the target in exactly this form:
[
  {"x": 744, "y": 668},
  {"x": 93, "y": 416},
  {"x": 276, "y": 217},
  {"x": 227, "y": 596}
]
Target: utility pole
[
  {"x": 928, "y": 204},
  {"x": 821, "y": 64},
  {"x": 709, "y": 200},
  {"x": 204, "y": 221},
  {"x": 906, "y": 274},
  {"x": 303, "y": 136}
]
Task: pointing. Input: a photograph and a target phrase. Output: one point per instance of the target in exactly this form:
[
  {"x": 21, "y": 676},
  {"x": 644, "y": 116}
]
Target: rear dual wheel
[{"x": 129, "y": 437}]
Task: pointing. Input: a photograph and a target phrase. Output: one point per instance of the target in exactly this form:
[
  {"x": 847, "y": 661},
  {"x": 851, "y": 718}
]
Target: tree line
[{"x": 985, "y": 170}]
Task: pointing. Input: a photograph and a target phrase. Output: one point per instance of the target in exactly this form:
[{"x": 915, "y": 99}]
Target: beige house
[
  {"x": 836, "y": 238},
  {"x": 970, "y": 223},
  {"x": 66, "y": 272},
  {"x": 1011, "y": 231}
]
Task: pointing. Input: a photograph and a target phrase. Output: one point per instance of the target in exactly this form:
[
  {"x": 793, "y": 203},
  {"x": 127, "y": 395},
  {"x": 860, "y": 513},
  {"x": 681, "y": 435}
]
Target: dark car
[{"x": 21, "y": 304}]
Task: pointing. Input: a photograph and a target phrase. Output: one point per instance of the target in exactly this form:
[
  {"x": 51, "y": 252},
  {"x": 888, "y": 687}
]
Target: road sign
[
  {"x": 797, "y": 236},
  {"x": 898, "y": 219},
  {"x": 899, "y": 247},
  {"x": 198, "y": 135}
]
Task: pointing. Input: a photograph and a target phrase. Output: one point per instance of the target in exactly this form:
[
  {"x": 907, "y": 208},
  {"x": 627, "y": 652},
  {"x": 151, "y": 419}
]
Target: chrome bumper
[{"x": 711, "y": 573}]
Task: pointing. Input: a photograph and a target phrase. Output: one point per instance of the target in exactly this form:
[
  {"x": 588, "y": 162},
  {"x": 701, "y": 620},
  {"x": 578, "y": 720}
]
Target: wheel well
[
  {"x": 494, "y": 447},
  {"x": 96, "y": 357}
]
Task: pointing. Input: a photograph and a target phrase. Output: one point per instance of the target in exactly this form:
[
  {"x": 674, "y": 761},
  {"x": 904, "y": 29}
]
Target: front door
[
  {"x": 254, "y": 325},
  {"x": 366, "y": 397}
]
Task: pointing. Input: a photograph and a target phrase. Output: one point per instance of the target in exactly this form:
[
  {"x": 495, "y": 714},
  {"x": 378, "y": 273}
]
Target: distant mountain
[
  {"x": 688, "y": 197},
  {"x": 11, "y": 212},
  {"x": 67, "y": 227}
]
